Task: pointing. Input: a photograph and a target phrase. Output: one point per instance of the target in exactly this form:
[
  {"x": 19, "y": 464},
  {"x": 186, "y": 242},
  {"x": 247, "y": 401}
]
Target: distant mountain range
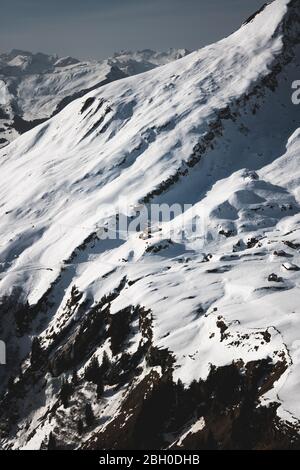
[{"x": 33, "y": 87}]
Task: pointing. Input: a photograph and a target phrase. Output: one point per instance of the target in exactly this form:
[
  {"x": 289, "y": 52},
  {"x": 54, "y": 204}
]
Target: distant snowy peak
[
  {"x": 132, "y": 63},
  {"x": 66, "y": 61},
  {"x": 154, "y": 57},
  {"x": 35, "y": 86},
  {"x": 19, "y": 61},
  {"x": 28, "y": 62}
]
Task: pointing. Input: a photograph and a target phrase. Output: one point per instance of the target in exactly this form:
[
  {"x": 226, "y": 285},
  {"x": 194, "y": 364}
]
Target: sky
[{"x": 98, "y": 28}]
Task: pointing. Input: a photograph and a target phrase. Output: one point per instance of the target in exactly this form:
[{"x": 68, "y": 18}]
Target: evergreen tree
[
  {"x": 106, "y": 364},
  {"x": 51, "y": 442},
  {"x": 100, "y": 389},
  {"x": 80, "y": 427},
  {"x": 66, "y": 393},
  {"x": 194, "y": 387},
  {"x": 92, "y": 372},
  {"x": 179, "y": 391},
  {"x": 37, "y": 354},
  {"x": 89, "y": 414},
  {"x": 180, "y": 386},
  {"x": 75, "y": 378}
]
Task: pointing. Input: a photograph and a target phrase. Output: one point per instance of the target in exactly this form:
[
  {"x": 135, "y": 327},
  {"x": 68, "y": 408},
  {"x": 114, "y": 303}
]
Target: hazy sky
[{"x": 97, "y": 28}]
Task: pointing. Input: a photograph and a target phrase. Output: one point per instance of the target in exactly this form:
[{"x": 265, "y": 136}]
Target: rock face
[
  {"x": 34, "y": 87},
  {"x": 183, "y": 333}
]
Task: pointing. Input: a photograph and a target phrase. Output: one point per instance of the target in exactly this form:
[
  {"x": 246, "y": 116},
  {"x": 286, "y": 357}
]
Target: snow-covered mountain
[
  {"x": 33, "y": 87},
  {"x": 185, "y": 332}
]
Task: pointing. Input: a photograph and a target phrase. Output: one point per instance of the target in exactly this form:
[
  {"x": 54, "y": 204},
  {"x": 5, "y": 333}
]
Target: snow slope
[
  {"x": 216, "y": 129},
  {"x": 35, "y": 86}
]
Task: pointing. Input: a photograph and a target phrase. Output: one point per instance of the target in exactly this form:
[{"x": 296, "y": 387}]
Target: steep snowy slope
[
  {"x": 33, "y": 87},
  {"x": 194, "y": 320}
]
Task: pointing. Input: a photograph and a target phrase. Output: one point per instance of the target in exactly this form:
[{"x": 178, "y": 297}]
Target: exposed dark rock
[
  {"x": 207, "y": 258},
  {"x": 21, "y": 125},
  {"x": 274, "y": 278},
  {"x": 294, "y": 246},
  {"x": 90, "y": 332},
  {"x": 252, "y": 242},
  {"x": 290, "y": 267},
  {"x": 3, "y": 114},
  {"x": 88, "y": 102},
  {"x": 145, "y": 323},
  {"x": 281, "y": 253},
  {"x": 158, "y": 247},
  {"x": 227, "y": 402},
  {"x": 222, "y": 327},
  {"x": 219, "y": 270},
  {"x": 226, "y": 233}
]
